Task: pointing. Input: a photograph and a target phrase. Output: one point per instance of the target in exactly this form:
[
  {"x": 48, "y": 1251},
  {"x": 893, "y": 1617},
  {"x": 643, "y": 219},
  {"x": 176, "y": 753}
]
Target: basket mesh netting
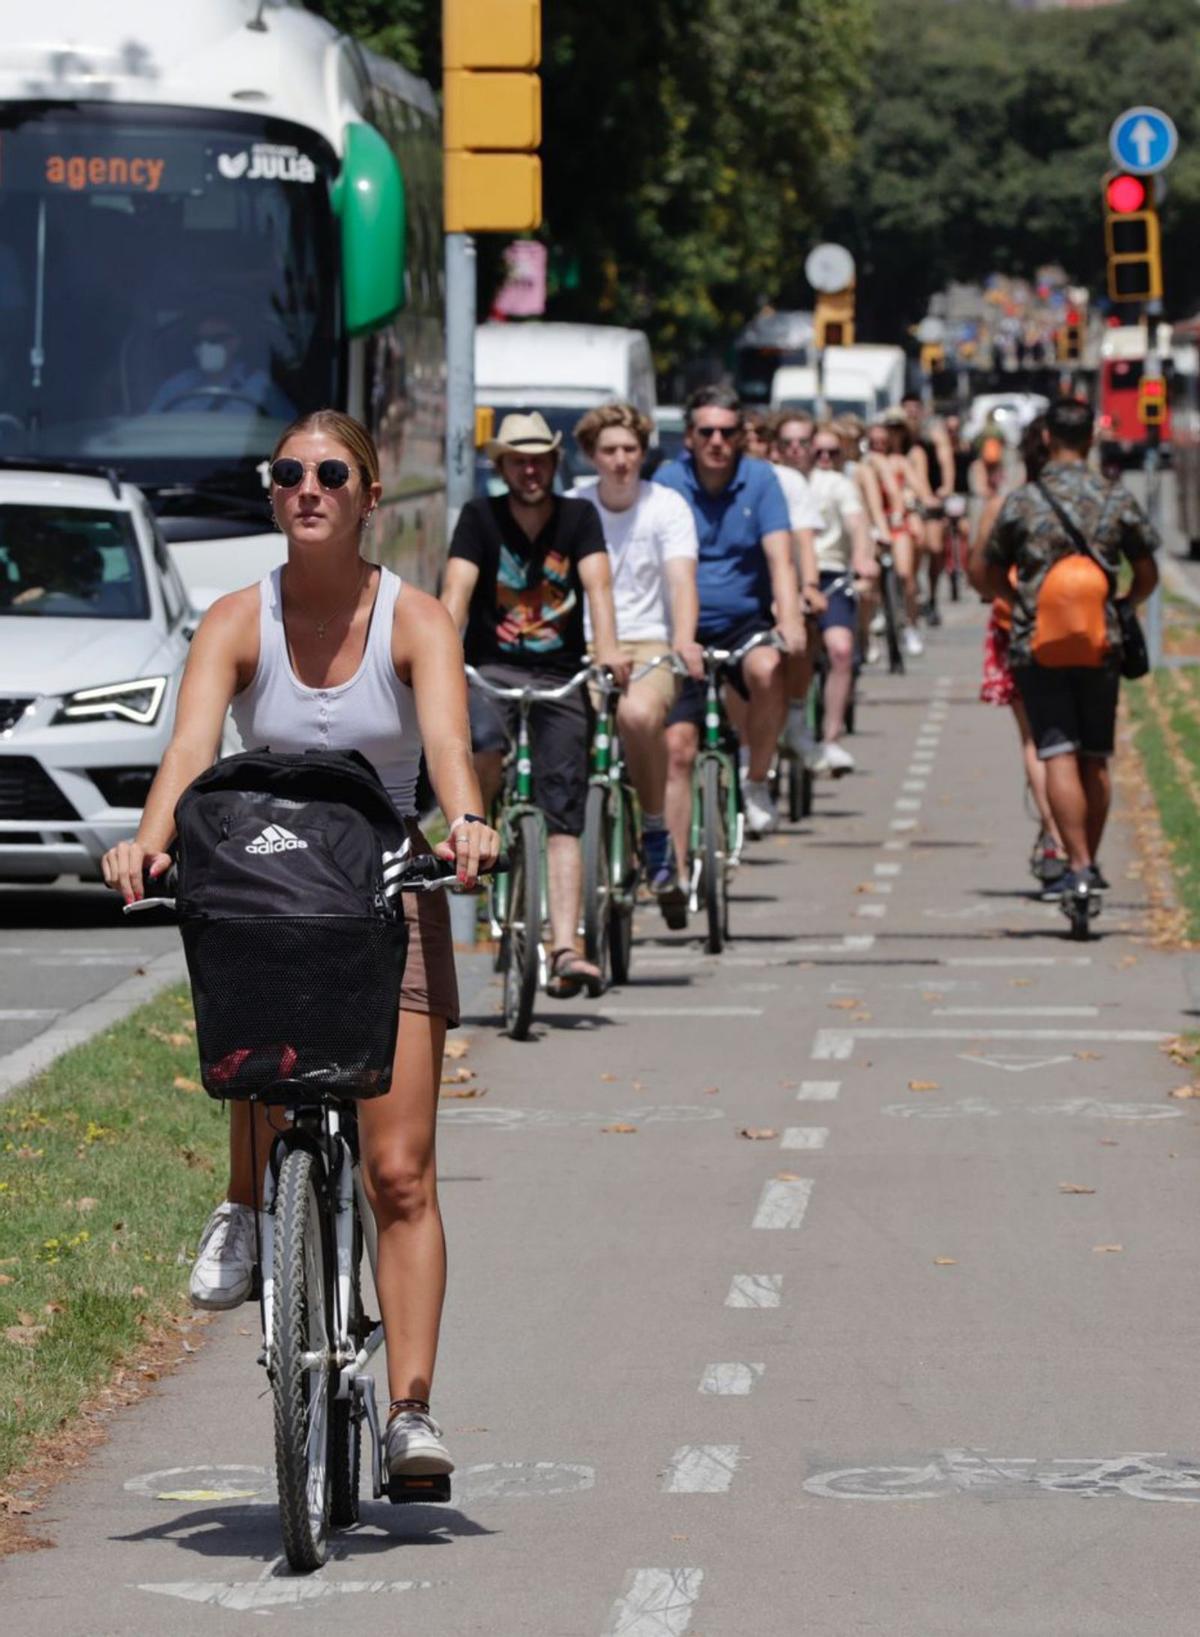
[{"x": 313, "y": 1002}]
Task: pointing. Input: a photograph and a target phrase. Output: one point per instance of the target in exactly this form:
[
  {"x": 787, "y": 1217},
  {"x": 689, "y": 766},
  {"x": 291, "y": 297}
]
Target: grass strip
[
  {"x": 1150, "y": 707},
  {"x": 109, "y": 1164}
]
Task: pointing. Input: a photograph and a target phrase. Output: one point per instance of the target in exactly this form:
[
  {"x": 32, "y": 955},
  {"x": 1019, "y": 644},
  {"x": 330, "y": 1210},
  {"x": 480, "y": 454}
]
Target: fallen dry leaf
[
  {"x": 1128, "y": 960},
  {"x": 1109, "y": 1142},
  {"x": 757, "y": 1133},
  {"x": 1020, "y": 983},
  {"x": 182, "y": 1083},
  {"x": 138, "y": 1290},
  {"x": 788, "y": 1176},
  {"x": 860, "y": 1017},
  {"x": 1088, "y": 1057},
  {"x": 712, "y": 1091},
  {"x": 843, "y": 1005},
  {"x": 865, "y": 886},
  {"x": 1074, "y": 1188},
  {"x": 1185, "y": 1091},
  {"x": 11, "y": 1507},
  {"x": 456, "y": 1077},
  {"x": 609, "y": 1078},
  {"x": 638, "y": 1086},
  {"x": 945, "y": 1261},
  {"x": 6, "y": 1279},
  {"x": 54, "y": 1307},
  {"x": 679, "y": 1539},
  {"x": 923, "y": 1085},
  {"x": 620, "y": 1129},
  {"x": 457, "y": 1048},
  {"x": 1108, "y": 1247},
  {"x": 932, "y": 995},
  {"x": 465, "y": 1091}
]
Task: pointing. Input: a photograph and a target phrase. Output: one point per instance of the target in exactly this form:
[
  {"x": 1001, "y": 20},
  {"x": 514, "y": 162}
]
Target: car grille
[
  {"x": 11, "y": 712},
  {"x": 28, "y": 792}
]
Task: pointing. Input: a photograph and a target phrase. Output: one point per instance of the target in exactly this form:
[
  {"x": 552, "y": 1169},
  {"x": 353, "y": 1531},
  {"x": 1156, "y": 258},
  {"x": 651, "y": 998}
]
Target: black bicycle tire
[
  {"x": 711, "y": 837},
  {"x": 795, "y": 788},
  {"x": 891, "y": 617},
  {"x": 304, "y": 1545},
  {"x": 345, "y": 1414},
  {"x": 597, "y": 879},
  {"x": 521, "y": 971},
  {"x": 620, "y": 931}
]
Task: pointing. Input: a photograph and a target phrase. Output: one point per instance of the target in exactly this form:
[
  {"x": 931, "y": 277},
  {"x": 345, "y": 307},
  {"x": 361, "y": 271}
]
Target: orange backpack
[{"x": 1071, "y": 620}]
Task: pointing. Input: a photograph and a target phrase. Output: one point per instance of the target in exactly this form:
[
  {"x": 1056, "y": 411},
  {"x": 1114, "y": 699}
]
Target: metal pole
[
  {"x": 460, "y": 373},
  {"x": 1154, "y": 611}
]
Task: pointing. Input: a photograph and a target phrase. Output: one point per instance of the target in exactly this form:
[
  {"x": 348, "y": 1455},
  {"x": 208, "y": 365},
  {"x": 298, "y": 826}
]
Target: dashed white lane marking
[
  {"x": 805, "y": 1136},
  {"x": 782, "y": 1204},
  {"x": 755, "y": 1290},
  {"x": 907, "y": 804},
  {"x": 818, "y": 1091},
  {"x": 895, "y": 846},
  {"x": 915, "y": 786},
  {"x": 838, "y": 1044},
  {"x": 883, "y": 886},
  {"x": 871, "y": 911},
  {"x": 887, "y": 869},
  {"x": 655, "y": 1603},
  {"x": 701, "y": 1469},
  {"x": 731, "y": 1380},
  {"x": 70, "y": 952},
  {"x": 903, "y": 824},
  {"x": 260, "y": 1596},
  {"x": 680, "y": 1011},
  {"x": 25, "y": 1014},
  {"x": 1018, "y": 960},
  {"x": 1016, "y": 1011}
]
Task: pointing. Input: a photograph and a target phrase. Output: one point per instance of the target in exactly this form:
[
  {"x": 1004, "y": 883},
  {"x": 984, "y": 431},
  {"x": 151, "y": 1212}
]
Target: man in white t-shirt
[
  {"x": 843, "y": 555},
  {"x": 652, "y": 549}
]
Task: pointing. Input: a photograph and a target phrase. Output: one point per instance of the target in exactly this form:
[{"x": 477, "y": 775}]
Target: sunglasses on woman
[{"x": 287, "y": 473}]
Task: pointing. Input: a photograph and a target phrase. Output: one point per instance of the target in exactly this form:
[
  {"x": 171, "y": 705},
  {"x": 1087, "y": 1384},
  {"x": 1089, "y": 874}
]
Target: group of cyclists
[{"x": 775, "y": 526}]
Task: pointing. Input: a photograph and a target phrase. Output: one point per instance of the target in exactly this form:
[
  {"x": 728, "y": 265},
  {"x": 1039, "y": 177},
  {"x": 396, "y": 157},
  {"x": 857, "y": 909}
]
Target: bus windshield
[{"x": 167, "y": 296}]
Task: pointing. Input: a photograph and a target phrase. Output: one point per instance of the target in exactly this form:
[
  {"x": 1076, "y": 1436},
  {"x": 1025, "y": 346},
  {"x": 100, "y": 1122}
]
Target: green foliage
[{"x": 985, "y": 135}]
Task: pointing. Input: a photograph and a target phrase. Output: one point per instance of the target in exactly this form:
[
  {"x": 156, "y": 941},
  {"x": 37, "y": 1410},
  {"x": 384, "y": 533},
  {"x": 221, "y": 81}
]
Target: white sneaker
[
  {"x": 837, "y": 759},
  {"x": 797, "y": 735},
  {"x": 761, "y": 817},
  {"x": 815, "y": 761},
  {"x": 912, "y": 641},
  {"x": 413, "y": 1446},
  {"x": 874, "y": 651},
  {"x": 223, "y": 1271},
  {"x": 878, "y": 623}
]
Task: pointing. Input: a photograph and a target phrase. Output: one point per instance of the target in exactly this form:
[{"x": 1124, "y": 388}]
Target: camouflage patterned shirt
[{"x": 1029, "y": 534}]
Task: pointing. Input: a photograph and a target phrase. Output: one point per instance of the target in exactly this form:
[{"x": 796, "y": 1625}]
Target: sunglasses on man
[{"x": 710, "y": 432}]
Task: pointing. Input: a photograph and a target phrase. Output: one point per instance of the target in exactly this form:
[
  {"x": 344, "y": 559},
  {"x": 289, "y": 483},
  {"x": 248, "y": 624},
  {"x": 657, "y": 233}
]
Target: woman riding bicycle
[{"x": 333, "y": 652}]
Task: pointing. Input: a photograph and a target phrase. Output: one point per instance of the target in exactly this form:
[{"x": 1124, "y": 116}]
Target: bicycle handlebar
[
  {"x": 535, "y": 695},
  {"x": 729, "y": 657},
  {"x": 602, "y": 677}
]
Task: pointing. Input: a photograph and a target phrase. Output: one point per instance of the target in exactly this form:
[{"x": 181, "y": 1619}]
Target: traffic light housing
[
  {"x": 1152, "y": 400},
  {"x": 1132, "y": 240},
  {"x": 933, "y": 357},
  {"x": 1070, "y": 343},
  {"x": 492, "y": 115},
  {"x": 833, "y": 321}
]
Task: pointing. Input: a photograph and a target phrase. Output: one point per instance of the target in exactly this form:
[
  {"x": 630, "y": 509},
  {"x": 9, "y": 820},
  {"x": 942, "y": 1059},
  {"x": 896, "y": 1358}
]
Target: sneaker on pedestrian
[
  {"x": 933, "y": 614},
  {"x": 797, "y": 735},
  {"x": 815, "y": 761},
  {"x": 913, "y": 646},
  {"x": 761, "y": 816},
  {"x": 223, "y": 1272},
  {"x": 1048, "y": 860},
  {"x": 414, "y": 1446},
  {"x": 874, "y": 653},
  {"x": 837, "y": 759},
  {"x": 878, "y": 625},
  {"x": 662, "y": 877},
  {"x": 1096, "y": 875}
]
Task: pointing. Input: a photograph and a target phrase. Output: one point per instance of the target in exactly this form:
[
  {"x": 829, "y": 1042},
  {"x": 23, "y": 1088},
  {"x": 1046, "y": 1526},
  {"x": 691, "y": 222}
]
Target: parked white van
[
  {"x": 861, "y": 380},
  {"x": 561, "y": 370}
]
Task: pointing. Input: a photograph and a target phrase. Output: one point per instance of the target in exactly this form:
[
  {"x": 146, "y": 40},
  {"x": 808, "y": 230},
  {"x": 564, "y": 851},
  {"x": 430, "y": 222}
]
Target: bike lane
[{"x": 706, "y": 1382}]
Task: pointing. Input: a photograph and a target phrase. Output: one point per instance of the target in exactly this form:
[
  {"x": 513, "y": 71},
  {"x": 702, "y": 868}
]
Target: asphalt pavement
[{"x": 844, "y": 1283}]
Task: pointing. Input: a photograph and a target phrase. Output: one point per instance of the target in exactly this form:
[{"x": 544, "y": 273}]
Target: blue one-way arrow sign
[{"x": 1143, "y": 140}]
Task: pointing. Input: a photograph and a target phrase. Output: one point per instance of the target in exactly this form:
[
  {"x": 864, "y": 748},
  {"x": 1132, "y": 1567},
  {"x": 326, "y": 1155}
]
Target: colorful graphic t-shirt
[{"x": 527, "y": 609}]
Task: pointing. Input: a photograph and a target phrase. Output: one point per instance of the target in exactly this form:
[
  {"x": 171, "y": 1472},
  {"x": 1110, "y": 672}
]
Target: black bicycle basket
[{"x": 294, "y": 950}]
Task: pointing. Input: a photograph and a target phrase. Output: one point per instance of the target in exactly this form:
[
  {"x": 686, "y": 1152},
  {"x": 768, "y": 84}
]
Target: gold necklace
[{"x": 322, "y": 625}]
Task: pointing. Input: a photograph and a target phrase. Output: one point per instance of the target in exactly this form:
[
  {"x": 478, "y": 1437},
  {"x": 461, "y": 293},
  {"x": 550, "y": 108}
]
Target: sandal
[{"x": 569, "y": 973}]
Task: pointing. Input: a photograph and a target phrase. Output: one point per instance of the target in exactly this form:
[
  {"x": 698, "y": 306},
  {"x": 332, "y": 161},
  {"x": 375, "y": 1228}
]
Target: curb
[{"x": 74, "y": 1028}]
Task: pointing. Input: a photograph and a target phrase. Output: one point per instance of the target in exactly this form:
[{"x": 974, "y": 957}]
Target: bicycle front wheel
[
  {"x": 714, "y": 842},
  {"x": 300, "y": 1357},
  {"x": 624, "y": 873},
  {"x": 597, "y": 878},
  {"x": 523, "y": 930}
]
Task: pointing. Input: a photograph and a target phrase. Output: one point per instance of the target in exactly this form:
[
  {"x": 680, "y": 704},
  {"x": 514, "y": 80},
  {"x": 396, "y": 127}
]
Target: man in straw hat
[{"x": 520, "y": 566}]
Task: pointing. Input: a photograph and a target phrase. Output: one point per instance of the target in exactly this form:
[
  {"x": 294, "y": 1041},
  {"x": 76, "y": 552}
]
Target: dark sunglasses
[
  {"x": 821, "y": 449},
  {"x": 289, "y": 474},
  {"x": 726, "y": 432},
  {"x": 794, "y": 443}
]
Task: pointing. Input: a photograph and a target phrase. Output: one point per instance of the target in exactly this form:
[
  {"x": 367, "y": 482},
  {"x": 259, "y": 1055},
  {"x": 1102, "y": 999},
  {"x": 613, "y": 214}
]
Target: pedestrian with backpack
[
  {"x": 333, "y": 652},
  {"x": 1066, "y": 534}
]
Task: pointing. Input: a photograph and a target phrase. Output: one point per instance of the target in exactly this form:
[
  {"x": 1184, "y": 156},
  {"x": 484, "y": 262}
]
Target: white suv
[{"x": 94, "y": 631}]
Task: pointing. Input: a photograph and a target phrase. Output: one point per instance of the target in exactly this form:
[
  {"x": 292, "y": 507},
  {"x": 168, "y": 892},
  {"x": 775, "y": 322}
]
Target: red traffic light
[{"x": 1124, "y": 193}]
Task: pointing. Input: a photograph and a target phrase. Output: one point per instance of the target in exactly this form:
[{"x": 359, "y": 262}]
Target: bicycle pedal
[{"x": 426, "y": 1489}]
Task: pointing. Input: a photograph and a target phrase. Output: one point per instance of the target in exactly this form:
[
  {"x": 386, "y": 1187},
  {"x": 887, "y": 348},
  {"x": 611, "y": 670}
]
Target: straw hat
[{"x": 522, "y": 435}]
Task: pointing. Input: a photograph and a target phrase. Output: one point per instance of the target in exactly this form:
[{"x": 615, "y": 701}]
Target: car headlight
[{"x": 137, "y": 702}]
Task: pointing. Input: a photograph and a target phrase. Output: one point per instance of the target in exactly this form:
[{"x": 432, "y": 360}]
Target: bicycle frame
[
  {"x": 608, "y": 771},
  {"x": 514, "y": 803}
]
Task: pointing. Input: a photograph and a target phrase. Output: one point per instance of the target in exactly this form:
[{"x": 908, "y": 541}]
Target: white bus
[{"x": 215, "y": 216}]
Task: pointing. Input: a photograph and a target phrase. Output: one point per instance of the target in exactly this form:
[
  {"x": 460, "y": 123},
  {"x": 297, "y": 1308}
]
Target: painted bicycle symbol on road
[{"x": 1139, "y": 1477}]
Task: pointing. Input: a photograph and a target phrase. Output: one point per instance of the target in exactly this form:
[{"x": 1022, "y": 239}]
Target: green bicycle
[
  {"x": 517, "y": 901},
  {"x": 612, "y": 869},
  {"x": 718, "y": 821}
]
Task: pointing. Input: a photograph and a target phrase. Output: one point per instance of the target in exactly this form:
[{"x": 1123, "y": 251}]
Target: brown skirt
[{"x": 430, "y": 983}]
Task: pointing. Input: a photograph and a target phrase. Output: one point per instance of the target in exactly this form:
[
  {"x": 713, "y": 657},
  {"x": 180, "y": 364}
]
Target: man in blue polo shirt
[{"x": 746, "y": 578}]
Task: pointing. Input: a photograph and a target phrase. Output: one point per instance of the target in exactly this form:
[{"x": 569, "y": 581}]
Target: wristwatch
[{"x": 466, "y": 818}]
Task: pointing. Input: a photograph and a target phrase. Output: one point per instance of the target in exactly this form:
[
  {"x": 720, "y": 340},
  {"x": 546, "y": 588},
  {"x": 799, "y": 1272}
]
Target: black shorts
[
  {"x": 842, "y": 609},
  {"x": 689, "y": 707},
  {"x": 559, "y": 734},
  {"x": 1071, "y": 710}
]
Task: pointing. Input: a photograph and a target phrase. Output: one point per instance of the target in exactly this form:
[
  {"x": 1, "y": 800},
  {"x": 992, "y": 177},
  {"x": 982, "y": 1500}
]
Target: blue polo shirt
[{"x": 732, "y": 575}]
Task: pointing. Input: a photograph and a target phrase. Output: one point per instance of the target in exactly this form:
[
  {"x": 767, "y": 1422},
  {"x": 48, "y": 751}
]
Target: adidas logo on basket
[{"x": 275, "y": 839}]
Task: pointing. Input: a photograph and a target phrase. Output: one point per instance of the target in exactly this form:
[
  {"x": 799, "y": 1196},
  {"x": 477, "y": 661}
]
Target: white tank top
[{"x": 374, "y": 712}]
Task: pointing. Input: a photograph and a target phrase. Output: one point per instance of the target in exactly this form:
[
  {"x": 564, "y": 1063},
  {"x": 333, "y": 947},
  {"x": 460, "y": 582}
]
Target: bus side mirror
[{"x": 368, "y": 199}]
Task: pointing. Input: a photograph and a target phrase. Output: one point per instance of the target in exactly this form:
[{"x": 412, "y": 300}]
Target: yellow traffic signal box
[
  {"x": 1152, "y": 400},
  {"x": 492, "y": 115},
  {"x": 1132, "y": 240},
  {"x": 833, "y": 321},
  {"x": 933, "y": 357},
  {"x": 1070, "y": 343}
]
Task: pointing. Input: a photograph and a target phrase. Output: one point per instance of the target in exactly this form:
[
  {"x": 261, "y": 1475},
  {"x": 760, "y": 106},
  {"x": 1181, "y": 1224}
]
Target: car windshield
[
  {"x": 70, "y": 562},
  {"x": 167, "y": 292}
]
